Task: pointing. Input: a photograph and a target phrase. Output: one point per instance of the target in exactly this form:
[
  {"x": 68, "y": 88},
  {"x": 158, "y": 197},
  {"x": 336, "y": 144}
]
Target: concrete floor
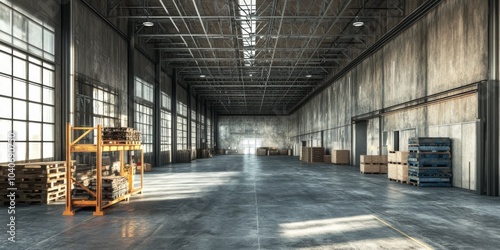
[{"x": 272, "y": 202}]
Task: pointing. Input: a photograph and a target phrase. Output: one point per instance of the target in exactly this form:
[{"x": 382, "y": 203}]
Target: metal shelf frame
[{"x": 73, "y": 146}]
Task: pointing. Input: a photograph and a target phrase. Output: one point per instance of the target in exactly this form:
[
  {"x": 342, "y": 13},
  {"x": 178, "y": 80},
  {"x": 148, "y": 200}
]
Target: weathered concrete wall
[
  {"x": 100, "y": 53},
  {"x": 265, "y": 131},
  {"x": 444, "y": 50},
  {"x": 166, "y": 84},
  {"x": 182, "y": 95},
  {"x": 144, "y": 68}
]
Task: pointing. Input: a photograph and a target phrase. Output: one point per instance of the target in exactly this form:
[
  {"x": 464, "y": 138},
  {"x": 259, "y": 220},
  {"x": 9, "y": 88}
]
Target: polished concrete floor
[{"x": 271, "y": 202}]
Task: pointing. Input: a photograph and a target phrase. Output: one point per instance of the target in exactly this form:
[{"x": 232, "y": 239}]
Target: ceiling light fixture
[
  {"x": 358, "y": 23},
  {"x": 203, "y": 76},
  {"x": 148, "y": 23},
  {"x": 308, "y": 76}
]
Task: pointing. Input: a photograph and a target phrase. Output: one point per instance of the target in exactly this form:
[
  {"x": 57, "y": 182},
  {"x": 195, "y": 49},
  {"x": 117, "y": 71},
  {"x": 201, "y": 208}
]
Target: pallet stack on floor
[
  {"x": 373, "y": 164},
  {"x": 429, "y": 162},
  {"x": 121, "y": 135},
  {"x": 41, "y": 182},
  {"x": 113, "y": 187},
  {"x": 398, "y": 166}
]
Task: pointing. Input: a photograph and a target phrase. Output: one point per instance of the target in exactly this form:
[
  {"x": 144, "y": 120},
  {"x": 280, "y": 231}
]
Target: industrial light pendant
[
  {"x": 148, "y": 23},
  {"x": 203, "y": 76},
  {"x": 358, "y": 23}
]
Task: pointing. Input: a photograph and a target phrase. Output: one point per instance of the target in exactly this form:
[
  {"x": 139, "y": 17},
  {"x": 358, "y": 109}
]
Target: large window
[
  {"x": 27, "y": 85},
  {"x": 166, "y": 129},
  {"x": 182, "y": 126},
  {"x": 193, "y": 133},
  {"x": 209, "y": 133},
  {"x": 144, "y": 115},
  {"x": 95, "y": 103}
]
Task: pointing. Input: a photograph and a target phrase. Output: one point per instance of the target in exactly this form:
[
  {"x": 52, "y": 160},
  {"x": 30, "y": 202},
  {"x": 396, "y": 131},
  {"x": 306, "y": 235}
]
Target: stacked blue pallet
[{"x": 429, "y": 162}]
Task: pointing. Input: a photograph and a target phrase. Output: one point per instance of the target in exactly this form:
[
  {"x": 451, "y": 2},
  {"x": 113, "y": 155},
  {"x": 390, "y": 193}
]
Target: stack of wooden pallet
[
  {"x": 341, "y": 157},
  {"x": 398, "y": 166},
  {"x": 122, "y": 135},
  {"x": 40, "y": 182},
  {"x": 373, "y": 164},
  {"x": 112, "y": 187},
  {"x": 184, "y": 155},
  {"x": 429, "y": 162}
]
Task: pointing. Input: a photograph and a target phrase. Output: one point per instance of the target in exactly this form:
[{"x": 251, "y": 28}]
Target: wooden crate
[
  {"x": 327, "y": 159},
  {"x": 392, "y": 171},
  {"x": 341, "y": 157},
  {"x": 369, "y": 168},
  {"x": 367, "y": 159},
  {"x": 380, "y": 159},
  {"x": 384, "y": 168},
  {"x": 391, "y": 157},
  {"x": 402, "y": 173},
  {"x": 402, "y": 157}
]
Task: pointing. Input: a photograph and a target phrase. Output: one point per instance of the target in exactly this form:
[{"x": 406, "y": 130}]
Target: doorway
[{"x": 360, "y": 140}]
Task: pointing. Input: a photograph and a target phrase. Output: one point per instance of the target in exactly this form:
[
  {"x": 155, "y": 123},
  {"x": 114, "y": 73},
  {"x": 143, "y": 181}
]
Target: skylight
[{"x": 248, "y": 27}]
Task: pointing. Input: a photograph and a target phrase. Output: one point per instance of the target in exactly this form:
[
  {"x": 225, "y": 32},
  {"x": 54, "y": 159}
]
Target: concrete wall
[
  {"x": 100, "y": 53},
  {"x": 444, "y": 50},
  {"x": 267, "y": 131}
]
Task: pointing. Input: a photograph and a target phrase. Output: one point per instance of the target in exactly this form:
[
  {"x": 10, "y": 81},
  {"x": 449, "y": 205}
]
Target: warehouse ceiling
[{"x": 259, "y": 56}]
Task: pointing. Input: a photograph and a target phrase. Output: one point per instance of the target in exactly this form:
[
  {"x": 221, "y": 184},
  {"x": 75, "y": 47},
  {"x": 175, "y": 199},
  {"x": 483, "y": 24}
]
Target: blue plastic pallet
[
  {"x": 430, "y": 164},
  {"x": 427, "y": 155},
  {"x": 428, "y": 161},
  {"x": 430, "y": 179},
  {"x": 429, "y": 169},
  {"x": 418, "y": 148},
  {"x": 430, "y": 141}
]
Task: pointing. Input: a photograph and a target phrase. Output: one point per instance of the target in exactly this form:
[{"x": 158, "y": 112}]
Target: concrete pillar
[
  {"x": 131, "y": 75},
  {"x": 67, "y": 72},
  {"x": 488, "y": 129},
  {"x": 174, "y": 116},
  {"x": 157, "y": 114}
]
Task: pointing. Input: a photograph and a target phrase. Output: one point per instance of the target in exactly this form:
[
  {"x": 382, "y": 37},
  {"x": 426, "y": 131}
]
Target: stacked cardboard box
[
  {"x": 313, "y": 154},
  {"x": 341, "y": 157}
]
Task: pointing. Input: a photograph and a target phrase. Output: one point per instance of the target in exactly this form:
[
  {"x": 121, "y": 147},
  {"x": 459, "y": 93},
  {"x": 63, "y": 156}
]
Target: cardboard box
[
  {"x": 402, "y": 157},
  {"x": 369, "y": 168},
  {"x": 366, "y": 158},
  {"x": 341, "y": 157}
]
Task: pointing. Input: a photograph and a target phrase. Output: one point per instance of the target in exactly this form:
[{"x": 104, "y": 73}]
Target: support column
[
  {"x": 66, "y": 75},
  {"x": 131, "y": 75},
  {"x": 189, "y": 118},
  {"x": 488, "y": 129},
  {"x": 174, "y": 116},
  {"x": 157, "y": 114}
]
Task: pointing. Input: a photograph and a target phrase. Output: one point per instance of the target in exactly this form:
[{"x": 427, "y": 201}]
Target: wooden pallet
[
  {"x": 399, "y": 181},
  {"x": 121, "y": 142}
]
